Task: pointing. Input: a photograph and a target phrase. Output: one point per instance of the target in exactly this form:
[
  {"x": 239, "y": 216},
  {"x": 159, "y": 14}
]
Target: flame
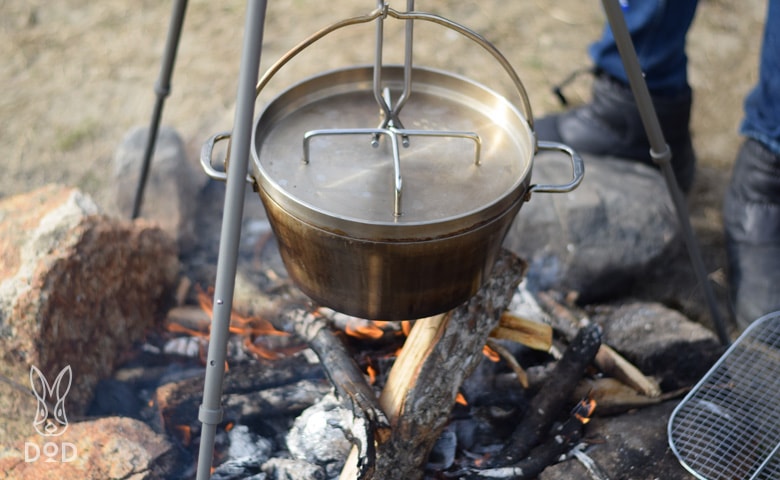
[
  {"x": 249, "y": 327},
  {"x": 491, "y": 354},
  {"x": 584, "y": 409},
  {"x": 184, "y": 432},
  {"x": 364, "y": 331},
  {"x": 460, "y": 399},
  {"x": 229, "y": 426},
  {"x": 371, "y": 371},
  {"x": 406, "y": 327}
]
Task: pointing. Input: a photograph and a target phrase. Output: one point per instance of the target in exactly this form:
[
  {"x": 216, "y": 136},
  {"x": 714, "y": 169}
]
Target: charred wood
[
  {"x": 369, "y": 421},
  {"x": 562, "y": 438},
  {"x": 607, "y": 359},
  {"x": 552, "y": 397},
  {"x": 178, "y": 402}
]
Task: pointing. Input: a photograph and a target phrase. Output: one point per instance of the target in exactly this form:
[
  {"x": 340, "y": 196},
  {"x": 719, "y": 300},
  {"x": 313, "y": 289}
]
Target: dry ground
[{"x": 77, "y": 74}]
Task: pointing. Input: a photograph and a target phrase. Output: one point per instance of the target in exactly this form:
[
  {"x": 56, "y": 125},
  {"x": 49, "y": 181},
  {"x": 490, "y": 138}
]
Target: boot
[
  {"x": 751, "y": 217},
  {"x": 611, "y": 125}
]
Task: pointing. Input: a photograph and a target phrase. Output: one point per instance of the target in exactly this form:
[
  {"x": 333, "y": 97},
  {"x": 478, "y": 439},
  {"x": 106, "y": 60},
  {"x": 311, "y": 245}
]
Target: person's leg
[
  {"x": 610, "y": 124},
  {"x": 658, "y": 30},
  {"x": 751, "y": 210}
]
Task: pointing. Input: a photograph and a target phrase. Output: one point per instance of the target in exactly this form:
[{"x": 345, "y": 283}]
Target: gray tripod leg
[
  {"x": 210, "y": 413},
  {"x": 661, "y": 154},
  {"x": 162, "y": 88}
]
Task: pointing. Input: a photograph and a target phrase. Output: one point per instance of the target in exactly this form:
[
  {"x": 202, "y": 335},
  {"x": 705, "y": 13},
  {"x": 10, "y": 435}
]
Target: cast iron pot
[{"x": 377, "y": 230}]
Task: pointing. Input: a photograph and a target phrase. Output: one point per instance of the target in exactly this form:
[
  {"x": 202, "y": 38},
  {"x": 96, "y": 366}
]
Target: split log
[
  {"x": 607, "y": 360},
  {"x": 536, "y": 335},
  {"x": 551, "y": 398},
  {"x": 423, "y": 384}
]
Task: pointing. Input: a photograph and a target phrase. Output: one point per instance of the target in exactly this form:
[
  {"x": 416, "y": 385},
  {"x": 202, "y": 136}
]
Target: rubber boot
[
  {"x": 610, "y": 125},
  {"x": 751, "y": 217}
]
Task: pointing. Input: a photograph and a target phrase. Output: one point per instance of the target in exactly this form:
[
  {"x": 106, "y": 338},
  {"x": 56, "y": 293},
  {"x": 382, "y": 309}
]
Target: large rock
[
  {"x": 659, "y": 341},
  {"x": 600, "y": 238},
  {"x": 111, "y": 447},
  {"x": 76, "y": 288},
  {"x": 632, "y": 446},
  {"x": 171, "y": 187}
]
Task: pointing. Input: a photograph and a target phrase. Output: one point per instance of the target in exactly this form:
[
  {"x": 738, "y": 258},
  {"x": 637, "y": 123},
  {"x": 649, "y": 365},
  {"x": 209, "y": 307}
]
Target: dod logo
[{"x": 50, "y": 424}]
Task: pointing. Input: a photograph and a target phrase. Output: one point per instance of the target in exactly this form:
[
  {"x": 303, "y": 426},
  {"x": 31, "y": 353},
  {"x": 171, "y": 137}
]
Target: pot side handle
[
  {"x": 207, "y": 162},
  {"x": 578, "y": 169}
]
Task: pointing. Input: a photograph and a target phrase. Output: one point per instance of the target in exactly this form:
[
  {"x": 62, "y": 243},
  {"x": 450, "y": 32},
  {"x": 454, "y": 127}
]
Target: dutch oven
[{"x": 371, "y": 227}]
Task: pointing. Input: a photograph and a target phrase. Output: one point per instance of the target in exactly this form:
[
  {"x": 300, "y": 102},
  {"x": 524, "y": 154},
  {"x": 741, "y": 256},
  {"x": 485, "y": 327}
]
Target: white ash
[{"x": 317, "y": 435}]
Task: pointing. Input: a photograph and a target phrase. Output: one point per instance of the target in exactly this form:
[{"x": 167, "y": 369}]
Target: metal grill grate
[{"x": 728, "y": 426}]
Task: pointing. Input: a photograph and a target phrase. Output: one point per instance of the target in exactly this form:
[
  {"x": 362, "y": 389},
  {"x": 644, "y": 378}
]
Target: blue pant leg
[
  {"x": 762, "y": 105},
  {"x": 658, "y": 29}
]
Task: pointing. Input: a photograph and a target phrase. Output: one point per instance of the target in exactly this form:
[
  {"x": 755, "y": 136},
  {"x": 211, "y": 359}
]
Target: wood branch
[
  {"x": 178, "y": 402},
  {"x": 563, "y": 437},
  {"x": 438, "y": 355},
  {"x": 370, "y": 422},
  {"x": 552, "y": 397},
  {"x": 613, "y": 396},
  {"x": 607, "y": 360},
  {"x": 532, "y": 334},
  {"x": 510, "y": 359}
]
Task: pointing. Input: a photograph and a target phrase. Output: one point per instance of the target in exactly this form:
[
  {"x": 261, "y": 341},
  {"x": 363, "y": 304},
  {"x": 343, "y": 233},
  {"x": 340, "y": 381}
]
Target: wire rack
[{"x": 728, "y": 426}]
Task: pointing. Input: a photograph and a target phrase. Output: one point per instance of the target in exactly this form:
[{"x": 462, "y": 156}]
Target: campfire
[{"x": 415, "y": 396}]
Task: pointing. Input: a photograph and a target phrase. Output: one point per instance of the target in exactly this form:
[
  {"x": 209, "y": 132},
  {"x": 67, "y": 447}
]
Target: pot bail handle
[{"x": 577, "y": 166}]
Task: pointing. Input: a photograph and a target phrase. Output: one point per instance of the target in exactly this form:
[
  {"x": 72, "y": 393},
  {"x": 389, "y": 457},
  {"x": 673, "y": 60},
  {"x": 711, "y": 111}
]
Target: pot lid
[{"x": 318, "y": 152}]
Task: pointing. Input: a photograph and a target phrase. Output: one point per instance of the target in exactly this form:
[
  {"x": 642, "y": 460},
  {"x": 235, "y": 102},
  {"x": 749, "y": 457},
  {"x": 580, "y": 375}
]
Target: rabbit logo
[{"x": 50, "y": 395}]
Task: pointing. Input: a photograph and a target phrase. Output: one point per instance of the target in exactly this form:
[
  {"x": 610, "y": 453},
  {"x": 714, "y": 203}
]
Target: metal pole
[
  {"x": 162, "y": 88},
  {"x": 661, "y": 154},
  {"x": 210, "y": 413}
]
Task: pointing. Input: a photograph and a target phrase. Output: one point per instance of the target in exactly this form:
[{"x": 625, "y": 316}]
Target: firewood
[
  {"x": 370, "y": 422},
  {"x": 532, "y": 334},
  {"x": 551, "y": 398},
  {"x": 561, "y": 439},
  {"x": 438, "y": 355},
  {"x": 607, "y": 359},
  {"x": 510, "y": 359}
]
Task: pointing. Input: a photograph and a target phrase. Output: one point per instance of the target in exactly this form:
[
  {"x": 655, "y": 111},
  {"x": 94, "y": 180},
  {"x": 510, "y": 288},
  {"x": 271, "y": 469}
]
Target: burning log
[
  {"x": 423, "y": 384},
  {"x": 369, "y": 421},
  {"x": 552, "y": 397},
  {"x": 178, "y": 402},
  {"x": 607, "y": 359}
]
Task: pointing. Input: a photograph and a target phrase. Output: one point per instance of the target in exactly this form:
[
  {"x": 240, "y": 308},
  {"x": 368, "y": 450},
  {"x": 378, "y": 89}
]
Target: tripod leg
[
  {"x": 161, "y": 88},
  {"x": 662, "y": 155},
  {"x": 210, "y": 413}
]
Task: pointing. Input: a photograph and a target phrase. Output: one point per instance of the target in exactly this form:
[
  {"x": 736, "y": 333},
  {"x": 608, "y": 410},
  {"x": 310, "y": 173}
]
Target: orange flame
[
  {"x": 491, "y": 354},
  {"x": 366, "y": 331},
  {"x": 584, "y": 409},
  {"x": 249, "y": 327},
  {"x": 184, "y": 432},
  {"x": 371, "y": 371},
  {"x": 460, "y": 399}
]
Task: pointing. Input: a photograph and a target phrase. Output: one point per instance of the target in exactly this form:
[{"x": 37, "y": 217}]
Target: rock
[
  {"x": 632, "y": 445},
  {"x": 598, "y": 239},
  {"x": 112, "y": 447},
  {"x": 172, "y": 183},
  {"x": 659, "y": 341},
  {"x": 76, "y": 289}
]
